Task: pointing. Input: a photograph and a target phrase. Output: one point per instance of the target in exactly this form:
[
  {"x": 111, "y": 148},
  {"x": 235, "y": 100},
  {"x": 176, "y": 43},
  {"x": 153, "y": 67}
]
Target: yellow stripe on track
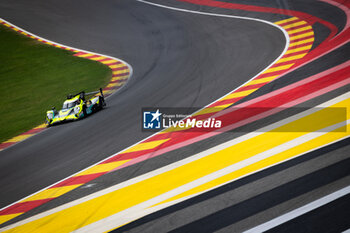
[
  {"x": 301, "y": 36},
  {"x": 305, "y": 48},
  {"x": 19, "y": 138},
  {"x": 294, "y": 24},
  {"x": 97, "y": 58},
  {"x": 109, "y": 62},
  {"x": 121, "y": 71},
  {"x": 89, "y": 211},
  {"x": 212, "y": 110},
  {"x": 104, "y": 167},
  {"x": 291, "y": 58},
  {"x": 145, "y": 146},
  {"x": 5, "y": 218},
  {"x": 261, "y": 80},
  {"x": 114, "y": 84},
  {"x": 40, "y": 126},
  {"x": 86, "y": 55},
  {"x": 121, "y": 78},
  {"x": 239, "y": 94},
  {"x": 286, "y": 20},
  {"x": 51, "y": 193},
  {"x": 278, "y": 68},
  {"x": 301, "y": 42},
  {"x": 299, "y": 30},
  {"x": 116, "y": 66}
]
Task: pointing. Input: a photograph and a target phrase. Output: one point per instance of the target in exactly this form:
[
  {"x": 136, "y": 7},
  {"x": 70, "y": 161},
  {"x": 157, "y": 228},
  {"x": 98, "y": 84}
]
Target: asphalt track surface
[{"x": 179, "y": 59}]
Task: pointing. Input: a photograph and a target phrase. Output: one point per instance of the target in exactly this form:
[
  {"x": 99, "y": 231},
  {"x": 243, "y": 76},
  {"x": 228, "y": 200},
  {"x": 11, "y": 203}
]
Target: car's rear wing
[
  {"x": 83, "y": 94},
  {"x": 95, "y": 92}
]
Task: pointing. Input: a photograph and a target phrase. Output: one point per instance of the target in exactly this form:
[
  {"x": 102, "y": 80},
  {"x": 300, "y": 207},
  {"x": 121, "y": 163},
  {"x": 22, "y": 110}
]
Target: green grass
[{"x": 34, "y": 77}]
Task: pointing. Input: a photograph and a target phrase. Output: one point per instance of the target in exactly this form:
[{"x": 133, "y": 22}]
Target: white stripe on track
[{"x": 300, "y": 211}]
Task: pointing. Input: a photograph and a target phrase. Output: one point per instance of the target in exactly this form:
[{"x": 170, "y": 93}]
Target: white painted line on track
[
  {"x": 131, "y": 72},
  {"x": 300, "y": 211},
  {"x": 142, "y": 208}
]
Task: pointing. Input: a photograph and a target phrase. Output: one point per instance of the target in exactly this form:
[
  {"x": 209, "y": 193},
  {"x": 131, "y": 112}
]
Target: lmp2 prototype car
[{"x": 76, "y": 107}]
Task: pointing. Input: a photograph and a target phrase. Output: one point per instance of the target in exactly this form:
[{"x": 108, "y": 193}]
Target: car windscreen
[{"x": 69, "y": 105}]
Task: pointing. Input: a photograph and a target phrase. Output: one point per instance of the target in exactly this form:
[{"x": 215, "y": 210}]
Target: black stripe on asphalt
[
  {"x": 258, "y": 203},
  {"x": 332, "y": 217}
]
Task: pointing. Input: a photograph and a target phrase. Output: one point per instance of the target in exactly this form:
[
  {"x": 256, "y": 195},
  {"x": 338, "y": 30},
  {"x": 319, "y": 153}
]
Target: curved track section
[{"x": 182, "y": 60}]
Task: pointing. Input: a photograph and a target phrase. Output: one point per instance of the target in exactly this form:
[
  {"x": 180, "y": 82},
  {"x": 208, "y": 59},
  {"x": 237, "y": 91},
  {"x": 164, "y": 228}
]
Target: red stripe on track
[
  {"x": 117, "y": 81},
  {"x": 114, "y": 63},
  {"x": 300, "y": 39},
  {"x": 290, "y": 22},
  {"x": 246, "y": 88},
  {"x": 78, "y": 179},
  {"x": 79, "y": 54},
  {"x": 294, "y": 54},
  {"x": 276, "y": 65},
  {"x": 120, "y": 68},
  {"x": 6, "y": 144},
  {"x": 34, "y": 131},
  {"x": 105, "y": 59},
  {"x": 270, "y": 74},
  {"x": 295, "y": 28},
  {"x": 24, "y": 206},
  {"x": 288, "y": 62},
  {"x": 122, "y": 74},
  {"x": 300, "y": 45},
  {"x": 127, "y": 156},
  {"x": 226, "y": 101},
  {"x": 92, "y": 56}
]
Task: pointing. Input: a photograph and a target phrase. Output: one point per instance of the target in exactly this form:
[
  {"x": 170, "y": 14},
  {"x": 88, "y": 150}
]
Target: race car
[{"x": 76, "y": 107}]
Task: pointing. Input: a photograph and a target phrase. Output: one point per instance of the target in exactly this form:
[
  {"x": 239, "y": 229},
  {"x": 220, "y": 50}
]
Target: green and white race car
[{"x": 76, "y": 107}]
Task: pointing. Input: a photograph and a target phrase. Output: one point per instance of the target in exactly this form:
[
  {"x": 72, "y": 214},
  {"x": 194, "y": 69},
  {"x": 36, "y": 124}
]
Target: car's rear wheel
[
  {"x": 101, "y": 103},
  {"x": 84, "y": 110}
]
